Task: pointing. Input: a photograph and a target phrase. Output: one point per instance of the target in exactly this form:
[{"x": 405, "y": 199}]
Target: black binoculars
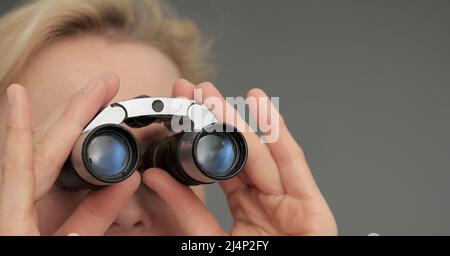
[{"x": 198, "y": 150}]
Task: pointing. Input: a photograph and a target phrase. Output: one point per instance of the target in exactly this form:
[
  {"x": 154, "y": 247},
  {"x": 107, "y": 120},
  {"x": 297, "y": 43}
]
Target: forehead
[{"x": 66, "y": 65}]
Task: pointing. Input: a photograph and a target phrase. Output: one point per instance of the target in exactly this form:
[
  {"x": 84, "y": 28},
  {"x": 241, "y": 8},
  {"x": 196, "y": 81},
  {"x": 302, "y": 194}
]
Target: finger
[
  {"x": 294, "y": 171},
  {"x": 16, "y": 172},
  {"x": 98, "y": 210},
  {"x": 261, "y": 169},
  {"x": 183, "y": 88},
  {"x": 53, "y": 149},
  {"x": 42, "y": 127},
  {"x": 189, "y": 212}
]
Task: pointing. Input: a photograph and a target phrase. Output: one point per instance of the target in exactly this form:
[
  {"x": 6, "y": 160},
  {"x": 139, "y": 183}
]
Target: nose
[{"x": 132, "y": 219}]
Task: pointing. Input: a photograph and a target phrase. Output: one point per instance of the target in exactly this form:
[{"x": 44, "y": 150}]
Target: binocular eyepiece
[{"x": 107, "y": 152}]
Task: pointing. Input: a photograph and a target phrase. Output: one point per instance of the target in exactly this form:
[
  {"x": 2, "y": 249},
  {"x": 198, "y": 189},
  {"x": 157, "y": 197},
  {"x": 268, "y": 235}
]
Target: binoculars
[{"x": 198, "y": 149}]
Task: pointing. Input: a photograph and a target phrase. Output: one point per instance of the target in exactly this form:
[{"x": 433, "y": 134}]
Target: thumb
[{"x": 188, "y": 210}]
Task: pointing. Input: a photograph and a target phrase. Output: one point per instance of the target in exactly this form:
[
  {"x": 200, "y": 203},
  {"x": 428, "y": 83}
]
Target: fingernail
[
  {"x": 105, "y": 76},
  {"x": 184, "y": 80},
  {"x": 11, "y": 95},
  {"x": 90, "y": 85},
  {"x": 93, "y": 83},
  {"x": 207, "y": 84}
]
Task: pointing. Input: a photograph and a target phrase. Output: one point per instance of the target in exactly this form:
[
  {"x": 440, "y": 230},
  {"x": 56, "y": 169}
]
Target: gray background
[{"x": 364, "y": 87}]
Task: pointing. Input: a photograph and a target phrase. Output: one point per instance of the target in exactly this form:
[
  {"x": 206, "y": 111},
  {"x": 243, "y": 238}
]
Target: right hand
[{"x": 31, "y": 161}]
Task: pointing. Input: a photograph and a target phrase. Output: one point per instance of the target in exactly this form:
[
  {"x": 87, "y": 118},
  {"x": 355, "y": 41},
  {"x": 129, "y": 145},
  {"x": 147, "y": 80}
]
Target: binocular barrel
[
  {"x": 103, "y": 156},
  {"x": 217, "y": 153}
]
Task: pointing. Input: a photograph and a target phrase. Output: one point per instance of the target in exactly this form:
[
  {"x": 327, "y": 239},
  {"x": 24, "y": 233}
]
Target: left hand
[{"x": 275, "y": 194}]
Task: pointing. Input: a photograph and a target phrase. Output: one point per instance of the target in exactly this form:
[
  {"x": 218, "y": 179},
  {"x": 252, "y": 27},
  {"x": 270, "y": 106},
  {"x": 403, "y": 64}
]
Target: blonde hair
[{"x": 28, "y": 29}]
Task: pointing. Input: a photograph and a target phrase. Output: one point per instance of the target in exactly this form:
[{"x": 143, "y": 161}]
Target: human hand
[
  {"x": 275, "y": 194},
  {"x": 32, "y": 159}
]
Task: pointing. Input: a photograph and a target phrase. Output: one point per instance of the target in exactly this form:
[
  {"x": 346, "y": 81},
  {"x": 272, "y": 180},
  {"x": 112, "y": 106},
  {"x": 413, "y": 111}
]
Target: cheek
[{"x": 56, "y": 207}]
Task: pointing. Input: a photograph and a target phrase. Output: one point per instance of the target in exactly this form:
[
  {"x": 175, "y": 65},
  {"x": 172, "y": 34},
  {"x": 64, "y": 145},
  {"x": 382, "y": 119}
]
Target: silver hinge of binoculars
[{"x": 198, "y": 149}]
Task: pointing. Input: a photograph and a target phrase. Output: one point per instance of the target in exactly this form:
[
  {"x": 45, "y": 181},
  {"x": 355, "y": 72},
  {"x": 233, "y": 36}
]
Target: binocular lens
[
  {"x": 215, "y": 153},
  {"x": 107, "y": 155},
  {"x": 202, "y": 157}
]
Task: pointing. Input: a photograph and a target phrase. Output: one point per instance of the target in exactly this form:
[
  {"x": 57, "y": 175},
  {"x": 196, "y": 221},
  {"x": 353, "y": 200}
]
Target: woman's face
[{"x": 63, "y": 68}]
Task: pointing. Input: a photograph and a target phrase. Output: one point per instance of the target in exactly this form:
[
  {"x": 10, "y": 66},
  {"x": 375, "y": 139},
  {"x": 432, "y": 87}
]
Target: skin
[{"x": 62, "y": 89}]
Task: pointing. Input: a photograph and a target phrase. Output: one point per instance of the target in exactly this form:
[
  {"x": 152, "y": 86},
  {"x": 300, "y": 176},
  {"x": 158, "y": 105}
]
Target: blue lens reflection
[
  {"x": 107, "y": 155},
  {"x": 215, "y": 154}
]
